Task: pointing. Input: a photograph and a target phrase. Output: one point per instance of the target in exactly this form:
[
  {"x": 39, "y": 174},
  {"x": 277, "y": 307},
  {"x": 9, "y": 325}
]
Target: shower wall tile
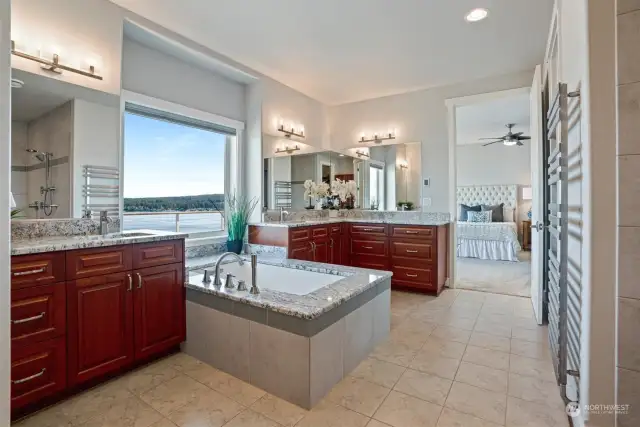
[
  {"x": 628, "y": 42},
  {"x": 629, "y": 333},
  {"x": 629, "y": 119},
  {"x": 625, "y": 6},
  {"x": 629, "y": 190},
  {"x": 629, "y": 262}
]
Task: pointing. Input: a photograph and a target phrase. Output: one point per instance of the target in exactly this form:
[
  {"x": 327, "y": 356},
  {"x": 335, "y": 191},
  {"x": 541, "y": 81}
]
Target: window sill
[{"x": 206, "y": 240}]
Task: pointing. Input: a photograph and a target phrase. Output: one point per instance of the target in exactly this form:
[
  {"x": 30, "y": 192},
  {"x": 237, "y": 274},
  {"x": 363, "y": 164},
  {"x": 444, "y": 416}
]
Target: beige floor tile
[
  {"x": 411, "y": 332},
  {"x": 451, "y": 334},
  {"x": 495, "y": 318},
  {"x": 250, "y": 418},
  {"x": 174, "y": 394},
  {"x": 539, "y": 334},
  {"x": 542, "y": 369},
  {"x": 328, "y": 414},
  {"x": 400, "y": 353},
  {"x": 425, "y": 386},
  {"x": 535, "y": 350},
  {"x": 401, "y": 410},
  {"x": 521, "y": 413},
  {"x": 83, "y": 407},
  {"x": 51, "y": 417},
  {"x": 486, "y": 357},
  {"x": 494, "y": 328},
  {"x": 131, "y": 412},
  {"x": 146, "y": 378},
  {"x": 208, "y": 409},
  {"x": 443, "y": 348},
  {"x": 456, "y": 321},
  {"x": 227, "y": 385},
  {"x": 483, "y": 377},
  {"x": 451, "y": 418},
  {"x": 444, "y": 367},
  {"x": 485, "y": 404},
  {"x": 179, "y": 362},
  {"x": 358, "y": 395},
  {"x": 376, "y": 423},
  {"x": 164, "y": 423},
  {"x": 523, "y": 323},
  {"x": 396, "y": 320},
  {"x": 535, "y": 390},
  {"x": 279, "y": 410},
  {"x": 379, "y": 372},
  {"x": 492, "y": 342}
]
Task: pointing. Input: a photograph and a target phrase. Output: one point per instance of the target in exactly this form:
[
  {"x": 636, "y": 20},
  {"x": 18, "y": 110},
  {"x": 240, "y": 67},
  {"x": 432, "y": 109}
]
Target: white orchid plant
[
  {"x": 343, "y": 189},
  {"x": 338, "y": 189}
]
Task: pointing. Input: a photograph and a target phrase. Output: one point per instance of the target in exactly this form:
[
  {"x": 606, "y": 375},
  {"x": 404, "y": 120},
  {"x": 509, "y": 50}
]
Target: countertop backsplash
[
  {"x": 38, "y": 228},
  {"x": 312, "y": 214}
]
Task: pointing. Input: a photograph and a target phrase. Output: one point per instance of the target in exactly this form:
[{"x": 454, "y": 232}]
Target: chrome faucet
[
  {"x": 216, "y": 280},
  {"x": 104, "y": 222},
  {"x": 283, "y": 214}
]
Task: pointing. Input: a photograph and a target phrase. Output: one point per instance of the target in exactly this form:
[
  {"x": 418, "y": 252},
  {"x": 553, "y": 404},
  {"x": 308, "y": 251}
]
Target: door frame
[{"x": 452, "y": 105}]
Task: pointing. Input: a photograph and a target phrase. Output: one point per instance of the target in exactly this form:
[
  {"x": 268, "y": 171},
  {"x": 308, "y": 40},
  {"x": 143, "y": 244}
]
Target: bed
[{"x": 496, "y": 241}]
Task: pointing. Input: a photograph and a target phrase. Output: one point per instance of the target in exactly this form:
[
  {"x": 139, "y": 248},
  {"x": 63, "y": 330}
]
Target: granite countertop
[
  {"x": 312, "y": 222},
  {"x": 63, "y": 243},
  {"x": 354, "y": 282}
]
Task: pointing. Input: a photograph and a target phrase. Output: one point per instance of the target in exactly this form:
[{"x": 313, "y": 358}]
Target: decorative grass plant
[
  {"x": 239, "y": 210},
  {"x": 15, "y": 213}
]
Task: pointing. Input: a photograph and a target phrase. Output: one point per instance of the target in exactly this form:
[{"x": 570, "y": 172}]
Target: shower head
[{"x": 41, "y": 156}]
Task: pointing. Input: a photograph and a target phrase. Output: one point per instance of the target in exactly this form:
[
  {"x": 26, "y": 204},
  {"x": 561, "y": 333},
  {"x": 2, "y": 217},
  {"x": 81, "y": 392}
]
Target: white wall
[
  {"x": 416, "y": 116},
  {"x": 414, "y": 173},
  {"x": 5, "y": 185},
  {"x": 18, "y": 159},
  {"x": 156, "y": 74}
]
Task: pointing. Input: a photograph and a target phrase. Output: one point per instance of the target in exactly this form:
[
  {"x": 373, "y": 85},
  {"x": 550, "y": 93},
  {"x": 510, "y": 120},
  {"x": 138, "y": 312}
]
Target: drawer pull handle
[
  {"x": 29, "y": 272},
  {"x": 28, "y": 319},
  {"x": 411, "y": 232},
  {"x": 412, "y": 275},
  {"x": 32, "y": 377},
  {"x": 368, "y": 247},
  {"x": 412, "y": 251},
  {"x": 139, "y": 281},
  {"x": 130, "y": 282}
]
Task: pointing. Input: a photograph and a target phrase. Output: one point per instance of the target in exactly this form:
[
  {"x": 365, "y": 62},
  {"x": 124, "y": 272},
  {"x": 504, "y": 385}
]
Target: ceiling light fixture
[
  {"x": 54, "y": 64},
  {"x": 476, "y": 15}
]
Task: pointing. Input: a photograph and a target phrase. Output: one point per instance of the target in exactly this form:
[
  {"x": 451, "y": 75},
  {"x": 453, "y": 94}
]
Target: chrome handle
[
  {"x": 27, "y": 273},
  {"x": 32, "y": 377},
  {"x": 411, "y": 232},
  {"x": 331, "y": 243},
  {"x": 411, "y": 251},
  {"x": 411, "y": 275},
  {"x": 130, "y": 282},
  {"x": 28, "y": 319},
  {"x": 538, "y": 226},
  {"x": 367, "y": 229},
  {"x": 139, "y": 280},
  {"x": 368, "y": 247}
]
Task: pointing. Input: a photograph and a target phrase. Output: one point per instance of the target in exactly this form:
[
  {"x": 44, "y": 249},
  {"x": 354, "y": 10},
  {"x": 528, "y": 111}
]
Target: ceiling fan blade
[
  {"x": 517, "y": 134},
  {"x": 495, "y": 137},
  {"x": 489, "y": 143},
  {"x": 523, "y": 138}
]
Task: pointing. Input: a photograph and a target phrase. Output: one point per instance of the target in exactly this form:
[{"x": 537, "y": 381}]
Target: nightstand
[{"x": 526, "y": 235}]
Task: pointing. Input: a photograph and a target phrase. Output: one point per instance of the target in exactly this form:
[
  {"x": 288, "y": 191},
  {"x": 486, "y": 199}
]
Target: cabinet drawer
[
  {"x": 37, "y": 371},
  {"x": 369, "y": 247},
  {"x": 38, "y": 269},
  {"x": 412, "y": 250},
  {"x": 157, "y": 253},
  {"x": 414, "y": 275},
  {"x": 297, "y": 235},
  {"x": 97, "y": 262},
  {"x": 38, "y": 313},
  {"x": 373, "y": 262},
  {"x": 412, "y": 232},
  {"x": 335, "y": 229},
  {"x": 319, "y": 232},
  {"x": 369, "y": 229}
]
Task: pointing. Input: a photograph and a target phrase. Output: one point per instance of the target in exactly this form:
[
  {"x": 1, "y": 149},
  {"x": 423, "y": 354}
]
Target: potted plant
[
  {"x": 239, "y": 210},
  {"x": 15, "y": 213},
  {"x": 310, "y": 191}
]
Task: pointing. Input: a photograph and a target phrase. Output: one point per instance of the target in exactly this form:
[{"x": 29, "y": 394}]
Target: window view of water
[{"x": 189, "y": 223}]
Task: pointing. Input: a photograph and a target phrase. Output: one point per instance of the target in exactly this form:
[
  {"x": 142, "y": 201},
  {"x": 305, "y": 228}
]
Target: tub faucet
[
  {"x": 254, "y": 273},
  {"x": 216, "y": 280},
  {"x": 283, "y": 214}
]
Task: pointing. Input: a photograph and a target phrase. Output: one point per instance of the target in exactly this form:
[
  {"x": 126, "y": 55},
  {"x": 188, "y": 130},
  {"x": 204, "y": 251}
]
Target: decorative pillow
[
  {"x": 497, "y": 214},
  {"x": 464, "y": 209},
  {"x": 484, "y": 216}
]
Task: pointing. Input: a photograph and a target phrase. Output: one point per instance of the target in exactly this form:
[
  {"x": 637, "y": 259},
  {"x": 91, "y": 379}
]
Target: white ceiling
[
  {"x": 339, "y": 51},
  {"x": 488, "y": 119}
]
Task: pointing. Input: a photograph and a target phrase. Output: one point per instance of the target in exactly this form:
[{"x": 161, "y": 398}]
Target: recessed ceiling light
[{"x": 476, "y": 15}]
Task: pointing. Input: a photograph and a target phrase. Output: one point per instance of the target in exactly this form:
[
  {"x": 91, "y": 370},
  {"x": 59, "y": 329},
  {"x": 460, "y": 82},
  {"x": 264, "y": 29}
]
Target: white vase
[{"x": 318, "y": 205}]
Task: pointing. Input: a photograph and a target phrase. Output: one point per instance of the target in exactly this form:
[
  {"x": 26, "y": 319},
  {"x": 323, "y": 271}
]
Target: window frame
[
  {"x": 233, "y": 148},
  {"x": 380, "y": 181}
]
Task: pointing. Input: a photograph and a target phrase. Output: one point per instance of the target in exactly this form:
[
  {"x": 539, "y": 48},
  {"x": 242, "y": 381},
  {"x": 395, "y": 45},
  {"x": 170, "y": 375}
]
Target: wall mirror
[{"x": 53, "y": 123}]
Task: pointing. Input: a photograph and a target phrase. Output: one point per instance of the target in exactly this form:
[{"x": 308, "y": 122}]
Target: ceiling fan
[{"x": 510, "y": 138}]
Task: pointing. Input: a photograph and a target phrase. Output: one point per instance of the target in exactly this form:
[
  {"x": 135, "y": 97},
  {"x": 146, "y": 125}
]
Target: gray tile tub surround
[
  {"x": 354, "y": 282},
  {"x": 64, "y": 243},
  {"x": 297, "y": 368},
  {"x": 38, "y": 228}
]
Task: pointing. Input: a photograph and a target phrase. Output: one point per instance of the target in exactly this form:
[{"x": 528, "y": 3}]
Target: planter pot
[
  {"x": 333, "y": 213},
  {"x": 235, "y": 246}
]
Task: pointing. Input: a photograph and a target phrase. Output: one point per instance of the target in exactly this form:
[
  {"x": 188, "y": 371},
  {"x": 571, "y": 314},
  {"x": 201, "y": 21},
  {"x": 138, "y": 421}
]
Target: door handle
[
  {"x": 139, "y": 280},
  {"x": 130, "y": 282},
  {"x": 29, "y": 272},
  {"x": 368, "y": 247},
  {"x": 331, "y": 243},
  {"x": 538, "y": 226},
  {"x": 29, "y": 378},
  {"x": 412, "y": 275},
  {"x": 28, "y": 319},
  {"x": 411, "y": 251}
]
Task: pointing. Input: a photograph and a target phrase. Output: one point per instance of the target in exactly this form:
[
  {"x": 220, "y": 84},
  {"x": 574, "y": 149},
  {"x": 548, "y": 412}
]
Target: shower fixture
[{"x": 46, "y": 204}]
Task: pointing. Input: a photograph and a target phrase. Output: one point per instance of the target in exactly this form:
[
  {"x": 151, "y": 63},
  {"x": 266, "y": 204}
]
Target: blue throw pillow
[
  {"x": 484, "y": 216},
  {"x": 464, "y": 210}
]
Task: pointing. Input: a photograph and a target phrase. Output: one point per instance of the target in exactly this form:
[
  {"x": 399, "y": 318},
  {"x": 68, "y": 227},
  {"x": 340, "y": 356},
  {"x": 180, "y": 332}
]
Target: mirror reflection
[{"x": 380, "y": 177}]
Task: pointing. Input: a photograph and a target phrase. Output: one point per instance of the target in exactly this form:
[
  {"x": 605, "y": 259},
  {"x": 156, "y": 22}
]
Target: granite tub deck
[
  {"x": 36, "y": 245},
  {"x": 296, "y": 347}
]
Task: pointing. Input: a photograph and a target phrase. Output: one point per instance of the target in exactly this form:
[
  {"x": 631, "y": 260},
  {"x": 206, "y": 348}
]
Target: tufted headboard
[{"x": 490, "y": 195}]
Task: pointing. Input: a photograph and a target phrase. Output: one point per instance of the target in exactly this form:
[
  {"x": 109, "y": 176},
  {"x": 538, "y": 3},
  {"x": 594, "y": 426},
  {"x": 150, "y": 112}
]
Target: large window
[
  {"x": 376, "y": 186},
  {"x": 175, "y": 176}
]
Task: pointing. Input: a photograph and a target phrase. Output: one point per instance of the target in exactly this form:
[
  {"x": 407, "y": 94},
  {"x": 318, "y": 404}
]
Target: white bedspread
[{"x": 482, "y": 240}]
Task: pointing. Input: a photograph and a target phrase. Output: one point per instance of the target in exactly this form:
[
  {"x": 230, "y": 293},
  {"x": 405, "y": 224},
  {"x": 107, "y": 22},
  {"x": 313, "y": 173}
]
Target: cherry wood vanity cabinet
[{"x": 79, "y": 316}]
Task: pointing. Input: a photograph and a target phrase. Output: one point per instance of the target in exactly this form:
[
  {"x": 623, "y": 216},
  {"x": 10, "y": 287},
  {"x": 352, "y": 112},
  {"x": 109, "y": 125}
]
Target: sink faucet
[
  {"x": 104, "y": 222},
  {"x": 216, "y": 280},
  {"x": 283, "y": 214}
]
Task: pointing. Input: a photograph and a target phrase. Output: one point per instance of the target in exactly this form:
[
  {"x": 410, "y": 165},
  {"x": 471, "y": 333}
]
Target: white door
[{"x": 537, "y": 208}]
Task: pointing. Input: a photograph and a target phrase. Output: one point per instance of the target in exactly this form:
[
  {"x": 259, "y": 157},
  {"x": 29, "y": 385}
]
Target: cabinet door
[
  {"x": 335, "y": 250},
  {"x": 301, "y": 252},
  {"x": 159, "y": 309},
  {"x": 100, "y": 325},
  {"x": 321, "y": 250}
]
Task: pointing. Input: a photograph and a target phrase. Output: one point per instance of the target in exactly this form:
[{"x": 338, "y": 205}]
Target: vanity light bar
[
  {"x": 55, "y": 65},
  {"x": 288, "y": 133},
  {"x": 362, "y": 154},
  {"x": 287, "y": 150},
  {"x": 377, "y": 138}
]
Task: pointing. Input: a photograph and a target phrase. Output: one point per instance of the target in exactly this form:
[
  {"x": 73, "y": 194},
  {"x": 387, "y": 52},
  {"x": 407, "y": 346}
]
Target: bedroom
[{"x": 493, "y": 194}]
